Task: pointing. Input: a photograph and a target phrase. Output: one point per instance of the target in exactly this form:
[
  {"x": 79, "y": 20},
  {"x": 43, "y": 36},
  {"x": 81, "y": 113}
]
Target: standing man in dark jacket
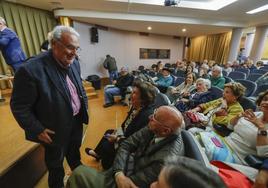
[
  {"x": 110, "y": 64},
  {"x": 50, "y": 104},
  {"x": 10, "y": 46},
  {"x": 140, "y": 157}
]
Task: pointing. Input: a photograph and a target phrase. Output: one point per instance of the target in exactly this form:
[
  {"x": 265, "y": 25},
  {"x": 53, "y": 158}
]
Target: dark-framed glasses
[
  {"x": 70, "y": 47},
  {"x": 152, "y": 117}
]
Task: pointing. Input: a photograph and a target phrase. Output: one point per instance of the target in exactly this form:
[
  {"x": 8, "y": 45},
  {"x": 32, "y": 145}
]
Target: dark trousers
[
  {"x": 54, "y": 154},
  {"x": 106, "y": 151}
]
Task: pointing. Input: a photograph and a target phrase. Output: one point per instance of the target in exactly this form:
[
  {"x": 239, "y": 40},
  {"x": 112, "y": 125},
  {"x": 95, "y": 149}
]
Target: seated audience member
[
  {"x": 235, "y": 64},
  {"x": 120, "y": 85},
  {"x": 200, "y": 95},
  {"x": 185, "y": 172},
  {"x": 142, "y": 99},
  {"x": 164, "y": 81},
  {"x": 217, "y": 80},
  {"x": 263, "y": 80},
  {"x": 160, "y": 66},
  {"x": 250, "y": 131},
  {"x": 249, "y": 136},
  {"x": 211, "y": 64},
  {"x": 259, "y": 64},
  {"x": 140, "y": 157},
  {"x": 203, "y": 71},
  {"x": 228, "y": 67},
  {"x": 261, "y": 180},
  {"x": 222, "y": 110},
  {"x": 250, "y": 64},
  {"x": 180, "y": 66},
  {"x": 183, "y": 90}
]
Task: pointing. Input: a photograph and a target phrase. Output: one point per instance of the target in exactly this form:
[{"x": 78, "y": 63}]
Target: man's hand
[
  {"x": 261, "y": 179},
  {"x": 123, "y": 181},
  {"x": 44, "y": 136}
]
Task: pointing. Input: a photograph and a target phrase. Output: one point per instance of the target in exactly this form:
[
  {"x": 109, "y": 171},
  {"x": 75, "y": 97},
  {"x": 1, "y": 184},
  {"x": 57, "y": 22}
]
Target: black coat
[
  {"x": 39, "y": 99},
  {"x": 142, "y": 162}
]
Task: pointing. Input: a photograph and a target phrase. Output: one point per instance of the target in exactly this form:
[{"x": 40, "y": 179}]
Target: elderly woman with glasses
[
  {"x": 200, "y": 95},
  {"x": 142, "y": 100}
]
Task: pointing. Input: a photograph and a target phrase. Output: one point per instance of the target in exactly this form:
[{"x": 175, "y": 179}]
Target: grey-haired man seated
[{"x": 140, "y": 157}]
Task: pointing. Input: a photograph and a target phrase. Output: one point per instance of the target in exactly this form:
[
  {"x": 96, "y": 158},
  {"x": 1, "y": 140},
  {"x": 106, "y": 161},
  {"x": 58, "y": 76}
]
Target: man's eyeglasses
[
  {"x": 69, "y": 47},
  {"x": 152, "y": 117}
]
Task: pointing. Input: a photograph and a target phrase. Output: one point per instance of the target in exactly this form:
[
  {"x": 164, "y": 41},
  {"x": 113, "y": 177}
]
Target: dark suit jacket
[
  {"x": 40, "y": 101},
  {"x": 10, "y": 47},
  {"x": 144, "y": 167}
]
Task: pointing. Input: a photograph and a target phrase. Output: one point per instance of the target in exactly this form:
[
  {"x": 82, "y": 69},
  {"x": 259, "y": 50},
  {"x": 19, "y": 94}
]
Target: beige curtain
[
  {"x": 31, "y": 25},
  {"x": 210, "y": 47}
]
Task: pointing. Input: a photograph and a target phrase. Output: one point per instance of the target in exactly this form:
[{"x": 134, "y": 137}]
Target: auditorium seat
[
  {"x": 253, "y": 76},
  {"x": 244, "y": 70},
  {"x": 237, "y": 75},
  {"x": 249, "y": 85},
  {"x": 179, "y": 81}
]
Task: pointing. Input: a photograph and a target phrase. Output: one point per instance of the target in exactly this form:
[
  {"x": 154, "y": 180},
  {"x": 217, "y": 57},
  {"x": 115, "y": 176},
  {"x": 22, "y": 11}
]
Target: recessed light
[
  {"x": 149, "y": 28},
  {"x": 260, "y": 9},
  {"x": 183, "y": 30}
]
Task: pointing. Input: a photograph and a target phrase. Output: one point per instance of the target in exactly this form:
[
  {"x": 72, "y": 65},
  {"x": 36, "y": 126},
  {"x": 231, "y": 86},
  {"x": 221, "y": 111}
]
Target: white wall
[{"x": 124, "y": 46}]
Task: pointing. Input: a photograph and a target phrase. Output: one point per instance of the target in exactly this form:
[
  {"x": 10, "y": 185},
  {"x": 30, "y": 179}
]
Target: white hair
[
  {"x": 205, "y": 66},
  {"x": 218, "y": 68},
  {"x": 60, "y": 29},
  {"x": 205, "y": 81},
  {"x": 3, "y": 21}
]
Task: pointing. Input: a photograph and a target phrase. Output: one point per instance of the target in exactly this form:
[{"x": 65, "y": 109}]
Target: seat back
[
  {"x": 191, "y": 147},
  {"x": 249, "y": 85},
  {"x": 259, "y": 71},
  {"x": 178, "y": 81},
  {"x": 216, "y": 92},
  {"x": 180, "y": 73},
  {"x": 244, "y": 70},
  {"x": 253, "y": 76},
  {"x": 260, "y": 89},
  {"x": 227, "y": 79},
  {"x": 161, "y": 100},
  {"x": 224, "y": 73},
  {"x": 246, "y": 103},
  {"x": 237, "y": 75}
]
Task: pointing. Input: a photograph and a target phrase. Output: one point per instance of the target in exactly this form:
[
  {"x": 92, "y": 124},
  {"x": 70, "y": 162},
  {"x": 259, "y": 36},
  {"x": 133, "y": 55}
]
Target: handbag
[{"x": 195, "y": 119}]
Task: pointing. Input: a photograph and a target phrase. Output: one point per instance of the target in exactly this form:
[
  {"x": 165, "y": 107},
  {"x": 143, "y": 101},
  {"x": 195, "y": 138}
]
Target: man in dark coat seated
[
  {"x": 140, "y": 157},
  {"x": 119, "y": 88}
]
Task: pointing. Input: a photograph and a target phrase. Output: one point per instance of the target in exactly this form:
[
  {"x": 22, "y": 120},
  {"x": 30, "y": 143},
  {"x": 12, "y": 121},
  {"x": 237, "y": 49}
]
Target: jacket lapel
[
  {"x": 155, "y": 147},
  {"x": 51, "y": 70}
]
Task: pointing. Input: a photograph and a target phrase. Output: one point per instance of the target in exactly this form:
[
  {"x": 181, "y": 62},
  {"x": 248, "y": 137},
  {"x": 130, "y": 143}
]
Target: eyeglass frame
[
  {"x": 152, "y": 117},
  {"x": 69, "y": 47}
]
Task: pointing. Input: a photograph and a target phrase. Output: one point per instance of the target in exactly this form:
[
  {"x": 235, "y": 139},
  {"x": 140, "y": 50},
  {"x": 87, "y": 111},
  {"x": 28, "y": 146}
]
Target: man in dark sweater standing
[{"x": 110, "y": 64}]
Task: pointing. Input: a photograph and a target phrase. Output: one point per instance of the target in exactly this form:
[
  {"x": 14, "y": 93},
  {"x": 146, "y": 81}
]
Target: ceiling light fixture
[
  {"x": 257, "y": 10},
  {"x": 183, "y": 30},
  {"x": 149, "y": 28}
]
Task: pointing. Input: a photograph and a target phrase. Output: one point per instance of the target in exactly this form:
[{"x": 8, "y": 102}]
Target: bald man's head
[{"x": 165, "y": 121}]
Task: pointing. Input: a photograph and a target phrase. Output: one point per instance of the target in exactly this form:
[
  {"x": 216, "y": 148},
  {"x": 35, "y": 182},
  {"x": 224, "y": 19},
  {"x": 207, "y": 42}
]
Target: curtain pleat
[
  {"x": 31, "y": 26},
  {"x": 211, "y": 47}
]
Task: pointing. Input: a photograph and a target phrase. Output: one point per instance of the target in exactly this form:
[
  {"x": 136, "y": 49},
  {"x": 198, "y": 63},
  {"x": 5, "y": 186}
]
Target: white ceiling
[{"x": 163, "y": 20}]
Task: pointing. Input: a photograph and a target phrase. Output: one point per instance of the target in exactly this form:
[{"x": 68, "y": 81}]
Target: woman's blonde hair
[{"x": 237, "y": 89}]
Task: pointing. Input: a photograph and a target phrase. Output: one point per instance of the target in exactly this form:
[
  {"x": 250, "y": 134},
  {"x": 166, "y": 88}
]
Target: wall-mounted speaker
[{"x": 94, "y": 34}]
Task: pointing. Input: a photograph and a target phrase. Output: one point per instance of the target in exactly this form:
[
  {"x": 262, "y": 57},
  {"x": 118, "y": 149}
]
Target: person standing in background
[
  {"x": 50, "y": 104},
  {"x": 110, "y": 64},
  {"x": 10, "y": 46}
]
